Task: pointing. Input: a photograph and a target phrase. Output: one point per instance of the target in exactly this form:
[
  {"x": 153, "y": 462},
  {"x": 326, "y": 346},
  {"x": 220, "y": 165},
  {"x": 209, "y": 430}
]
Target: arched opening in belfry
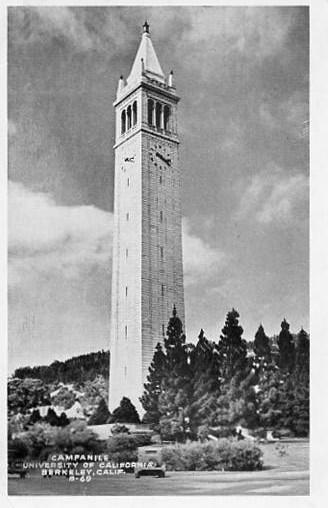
[
  {"x": 166, "y": 118},
  {"x": 158, "y": 114},
  {"x": 134, "y": 113},
  {"x": 150, "y": 111},
  {"x": 123, "y": 122},
  {"x": 128, "y": 115}
]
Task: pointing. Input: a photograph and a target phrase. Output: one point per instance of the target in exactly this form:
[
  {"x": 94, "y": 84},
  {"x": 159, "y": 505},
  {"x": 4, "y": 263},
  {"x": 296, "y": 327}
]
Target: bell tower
[{"x": 147, "y": 275}]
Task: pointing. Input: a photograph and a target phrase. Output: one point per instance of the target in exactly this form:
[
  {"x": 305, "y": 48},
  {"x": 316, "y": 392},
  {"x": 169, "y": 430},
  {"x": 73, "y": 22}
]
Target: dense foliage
[
  {"x": 222, "y": 455},
  {"x": 125, "y": 413},
  {"x": 211, "y": 388},
  {"x": 77, "y": 369},
  {"x": 101, "y": 414}
]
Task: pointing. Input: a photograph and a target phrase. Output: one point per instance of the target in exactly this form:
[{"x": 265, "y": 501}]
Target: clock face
[{"x": 160, "y": 154}]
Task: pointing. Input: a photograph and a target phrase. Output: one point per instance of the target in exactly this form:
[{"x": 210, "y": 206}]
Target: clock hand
[{"x": 167, "y": 161}]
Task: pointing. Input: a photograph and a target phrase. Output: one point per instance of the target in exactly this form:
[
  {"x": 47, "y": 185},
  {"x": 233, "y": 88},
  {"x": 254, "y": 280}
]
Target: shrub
[
  {"x": 213, "y": 456},
  {"x": 17, "y": 449},
  {"x": 122, "y": 448},
  {"x": 142, "y": 439},
  {"x": 119, "y": 429}
]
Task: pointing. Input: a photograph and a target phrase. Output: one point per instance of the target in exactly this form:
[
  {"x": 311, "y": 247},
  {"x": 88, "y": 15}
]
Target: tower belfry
[{"x": 147, "y": 276}]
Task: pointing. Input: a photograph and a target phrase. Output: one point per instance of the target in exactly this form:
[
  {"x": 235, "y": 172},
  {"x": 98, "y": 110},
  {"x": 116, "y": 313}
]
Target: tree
[
  {"x": 302, "y": 354},
  {"x": 24, "y": 394},
  {"x": 205, "y": 383},
  {"x": 101, "y": 414},
  {"x": 286, "y": 346},
  {"x": 176, "y": 388},
  {"x": 232, "y": 349},
  {"x": 152, "y": 388},
  {"x": 63, "y": 421},
  {"x": 125, "y": 413},
  {"x": 35, "y": 417},
  {"x": 261, "y": 347},
  {"x": 52, "y": 418}
]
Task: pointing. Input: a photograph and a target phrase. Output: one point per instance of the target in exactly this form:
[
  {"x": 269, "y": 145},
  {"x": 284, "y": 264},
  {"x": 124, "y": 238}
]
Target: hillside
[{"x": 78, "y": 369}]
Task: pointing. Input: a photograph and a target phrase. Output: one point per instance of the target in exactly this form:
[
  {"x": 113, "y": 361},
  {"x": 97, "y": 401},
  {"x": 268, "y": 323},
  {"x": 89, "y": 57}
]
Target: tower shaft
[{"x": 147, "y": 276}]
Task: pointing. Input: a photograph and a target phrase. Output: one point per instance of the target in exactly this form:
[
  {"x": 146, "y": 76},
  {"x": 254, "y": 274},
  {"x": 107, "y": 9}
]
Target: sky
[{"x": 242, "y": 75}]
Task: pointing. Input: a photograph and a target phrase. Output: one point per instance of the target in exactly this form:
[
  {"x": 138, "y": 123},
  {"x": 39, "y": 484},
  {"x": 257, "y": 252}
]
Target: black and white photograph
[{"x": 158, "y": 250}]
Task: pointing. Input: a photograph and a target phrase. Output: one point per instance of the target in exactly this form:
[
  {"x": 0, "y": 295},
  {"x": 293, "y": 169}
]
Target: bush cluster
[{"x": 223, "y": 454}]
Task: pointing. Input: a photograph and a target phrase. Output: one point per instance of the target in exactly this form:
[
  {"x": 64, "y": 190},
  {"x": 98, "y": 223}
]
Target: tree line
[
  {"x": 78, "y": 369},
  {"x": 211, "y": 387}
]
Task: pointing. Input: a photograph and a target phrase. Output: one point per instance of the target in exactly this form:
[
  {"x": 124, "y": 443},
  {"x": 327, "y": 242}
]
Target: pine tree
[
  {"x": 52, "y": 417},
  {"x": 205, "y": 383},
  {"x": 232, "y": 349},
  {"x": 101, "y": 415},
  {"x": 302, "y": 354},
  {"x": 174, "y": 399},
  {"x": 286, "y": 346},
  {"x": 35, "y": 417},
  {"x": 125, "y": 413},
  {"x": 262, "y": 348},
  {"x": 63, "y": 420},
  {"x": 152, "y": 388}
]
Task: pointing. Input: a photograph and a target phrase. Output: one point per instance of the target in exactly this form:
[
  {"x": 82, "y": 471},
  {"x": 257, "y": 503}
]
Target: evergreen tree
[
  {"x": 63, "y": 420},
  {"x": 286, "y": 346},
  {"x": 205, "y": 383},
  {"x": 35, "y": 417},
  {"x": 101, "y": 415},
  {"x": 271, "y": 398},
  {"x": 152, "y": 388},
  {"x": 232, "y": 349},
  {"x": 125, "y": 413},
  {"x": 262, "y": 348},
  {"x": 174, "y": 399},
  {"x": 52, "y": 417},
  {"x": 302, "y": 354}
]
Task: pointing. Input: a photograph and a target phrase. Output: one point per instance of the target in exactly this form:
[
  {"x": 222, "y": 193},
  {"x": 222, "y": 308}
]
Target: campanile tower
[{"x": 147, "y": 276}]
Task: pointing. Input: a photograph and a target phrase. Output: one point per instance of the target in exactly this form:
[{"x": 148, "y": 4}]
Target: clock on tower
[{"x": 147, "y": 276}]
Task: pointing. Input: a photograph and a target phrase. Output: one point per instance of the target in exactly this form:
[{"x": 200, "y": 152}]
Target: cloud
[
  {"x": 45, "y": 237},
  {"x": 273, "y": 196},
  {"x": 291, "y": 115},
  {"x": 200, "y": 260},
  {"x": 258, "y": 32}
]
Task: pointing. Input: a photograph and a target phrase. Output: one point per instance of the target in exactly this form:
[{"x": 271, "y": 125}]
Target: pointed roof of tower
[{"x": 146, "y": 60}]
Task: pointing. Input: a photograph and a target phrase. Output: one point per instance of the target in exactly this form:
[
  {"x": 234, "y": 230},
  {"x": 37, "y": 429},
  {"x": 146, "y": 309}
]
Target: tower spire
[{"x": 151, "y": 65}]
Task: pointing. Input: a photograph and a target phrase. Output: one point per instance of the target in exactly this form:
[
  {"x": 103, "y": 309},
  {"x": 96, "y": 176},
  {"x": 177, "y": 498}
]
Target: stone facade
[{"x": 147, "y": 278}]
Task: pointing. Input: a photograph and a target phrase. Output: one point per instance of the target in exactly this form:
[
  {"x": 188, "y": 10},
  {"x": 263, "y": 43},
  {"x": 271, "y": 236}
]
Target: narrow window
[
  {"x": 126, "y": 253},
  {"x": 150, "y": 111},
  {"x": 163, "y": 330},
  {"x": 126, "y": 331},
  {"x": 127, "y": 216},
  {"x": 123, "y": 122},
  {"x": 126, "y": 290},
  {"x": 128, "y": 114},
  {"x": 162, "y": 252},
  {"x": 125, "y": 370},
  {"x": 128, "y": 182},
  {"x": 161, "y": 216},
  {"x": 158, "y": 114},
  {"x": 160, "y": 179},
  {"x": 166, "y": 117},
  {"x": 134, "y": 113},
  {"x": 162, "y": 290}
]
